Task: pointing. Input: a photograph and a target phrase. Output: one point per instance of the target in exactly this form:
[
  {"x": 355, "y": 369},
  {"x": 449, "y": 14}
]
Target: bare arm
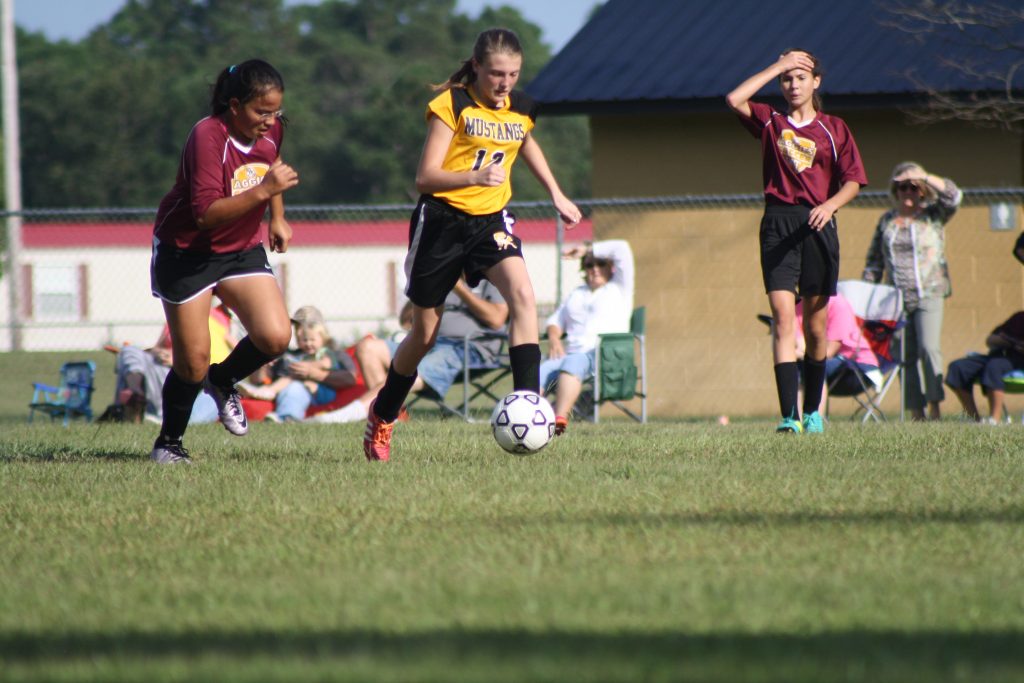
[
  {"x": 431, "y": 177},
  {"x": 739, "y": 99},
  {"x": 490, "y": 313},
  {"x": 279, "y": 178},
  {"x": 1001, "y": 340},
  {"x": 533, "y": 155},
  {"x": 821, "y": 215},
  {"x": 555, "y": 348},
  {"x": 279, "y": 233}
]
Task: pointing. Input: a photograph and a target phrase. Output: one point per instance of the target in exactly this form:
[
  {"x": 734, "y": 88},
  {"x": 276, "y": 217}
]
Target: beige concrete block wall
[
  {"x": 698, "y": 270},
  {"x": 698, "y": 274}
]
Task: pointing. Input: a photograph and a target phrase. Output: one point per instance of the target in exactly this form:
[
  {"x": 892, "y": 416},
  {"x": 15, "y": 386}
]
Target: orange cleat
[
  {"x": 377, "y": 438},
  {"x": 561, "y": 424}
]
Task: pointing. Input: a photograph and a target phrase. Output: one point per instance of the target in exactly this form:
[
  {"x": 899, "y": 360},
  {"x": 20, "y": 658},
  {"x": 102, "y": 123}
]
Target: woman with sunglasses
[
  {"x": 207, "y": 239},
  {"x": 909, "y": 249},
  {"x": 811, "y": 168}
]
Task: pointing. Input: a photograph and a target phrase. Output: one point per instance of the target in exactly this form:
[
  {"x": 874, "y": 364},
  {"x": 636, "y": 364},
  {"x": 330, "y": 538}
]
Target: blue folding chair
[{"x": 72, "y": 399}]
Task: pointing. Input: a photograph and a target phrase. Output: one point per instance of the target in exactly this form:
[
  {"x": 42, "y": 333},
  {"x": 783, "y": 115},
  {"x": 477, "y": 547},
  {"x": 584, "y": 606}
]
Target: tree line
[{"x": 103, "y": 119}]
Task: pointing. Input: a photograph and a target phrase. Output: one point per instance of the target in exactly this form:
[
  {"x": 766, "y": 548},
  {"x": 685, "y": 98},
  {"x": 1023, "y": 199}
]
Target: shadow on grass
[
  {"x": 874, "y": 655},
  {"x": 1008, "y": 515}
]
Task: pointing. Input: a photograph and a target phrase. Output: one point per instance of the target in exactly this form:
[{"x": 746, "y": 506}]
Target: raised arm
[{"x": 739, "y": 99}]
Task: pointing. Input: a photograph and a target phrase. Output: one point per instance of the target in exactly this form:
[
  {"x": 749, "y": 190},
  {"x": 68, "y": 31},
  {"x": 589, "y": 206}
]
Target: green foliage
[{"x": 103, "y": 119}]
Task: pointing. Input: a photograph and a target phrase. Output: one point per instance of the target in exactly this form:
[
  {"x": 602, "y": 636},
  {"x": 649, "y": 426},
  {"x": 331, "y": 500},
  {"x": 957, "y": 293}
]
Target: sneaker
[
  {"x": 229, "y": 407},
  {"x": 813, "y": 424},
  {"x": 272, "y": 417},
  {"x": 169, "y": 453},
  {"x": 789, "y": 426},
  {"x": 377, "y": 438},
  {"x": 561, "y": 423}
]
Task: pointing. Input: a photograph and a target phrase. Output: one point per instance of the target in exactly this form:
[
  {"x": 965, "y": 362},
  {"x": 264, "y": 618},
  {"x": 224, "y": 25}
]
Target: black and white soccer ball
[{"x": 523, "y": 422}]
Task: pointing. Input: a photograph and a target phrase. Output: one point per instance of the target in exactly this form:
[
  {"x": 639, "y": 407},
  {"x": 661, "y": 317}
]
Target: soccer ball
[{"x": 523, "y": 422}]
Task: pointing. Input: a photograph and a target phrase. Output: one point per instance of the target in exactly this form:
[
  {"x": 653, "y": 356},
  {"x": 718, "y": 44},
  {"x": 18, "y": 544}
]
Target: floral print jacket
[{"x": 911, "y": 250}]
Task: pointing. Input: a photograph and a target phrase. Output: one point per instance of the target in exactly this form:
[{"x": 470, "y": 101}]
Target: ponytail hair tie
[{"x": 231, "y": 69}]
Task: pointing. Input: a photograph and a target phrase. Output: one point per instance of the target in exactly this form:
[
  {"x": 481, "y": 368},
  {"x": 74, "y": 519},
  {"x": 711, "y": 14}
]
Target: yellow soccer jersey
[{"x": 483, "y": 136}]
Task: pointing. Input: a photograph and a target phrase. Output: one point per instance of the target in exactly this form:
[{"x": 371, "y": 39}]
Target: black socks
[{"x": 525, "y": 361}]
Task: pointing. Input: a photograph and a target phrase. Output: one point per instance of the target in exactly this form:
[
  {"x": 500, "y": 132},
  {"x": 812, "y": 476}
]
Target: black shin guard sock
[
  {"x": 243, "y": 360},
  {"x": 814, "y": 381},
  {"x": 392, "y": 395},
  {"x": 787, "y": 382},
  {"x": 179, "y": 396},
  {"x": 525, "y": 361}
]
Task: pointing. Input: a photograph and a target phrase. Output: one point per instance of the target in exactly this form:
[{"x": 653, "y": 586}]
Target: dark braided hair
[{"x": 243, "y": 82}]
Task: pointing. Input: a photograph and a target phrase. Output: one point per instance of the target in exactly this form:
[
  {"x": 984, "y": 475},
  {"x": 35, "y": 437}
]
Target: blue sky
[{"x": 72, "y": 19}]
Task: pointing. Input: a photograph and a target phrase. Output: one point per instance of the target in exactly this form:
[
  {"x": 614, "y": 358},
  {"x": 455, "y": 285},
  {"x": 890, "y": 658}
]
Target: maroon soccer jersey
[
  {"x": 804, "y": 164},
  {"x": 215, "y": 165}
]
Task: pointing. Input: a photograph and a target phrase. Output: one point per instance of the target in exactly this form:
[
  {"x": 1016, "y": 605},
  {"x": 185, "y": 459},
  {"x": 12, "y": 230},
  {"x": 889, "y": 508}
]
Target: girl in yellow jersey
[{"x": 476, "y": 127}]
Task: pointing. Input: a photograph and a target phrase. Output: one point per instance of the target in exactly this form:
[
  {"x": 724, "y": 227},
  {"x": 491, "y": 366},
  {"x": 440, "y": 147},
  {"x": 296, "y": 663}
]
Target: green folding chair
[{"x": 618, "y": 377}]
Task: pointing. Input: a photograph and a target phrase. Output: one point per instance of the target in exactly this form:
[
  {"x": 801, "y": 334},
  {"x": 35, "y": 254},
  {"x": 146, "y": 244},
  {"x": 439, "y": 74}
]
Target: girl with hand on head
[
  {"x": 207, "y": 237},
  {"x": 811, "y": 168},
  {"x": 476, "y": 127}
]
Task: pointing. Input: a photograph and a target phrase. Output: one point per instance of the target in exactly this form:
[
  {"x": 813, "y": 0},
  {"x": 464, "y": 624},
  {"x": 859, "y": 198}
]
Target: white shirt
[{"x": 587, "y": 313}]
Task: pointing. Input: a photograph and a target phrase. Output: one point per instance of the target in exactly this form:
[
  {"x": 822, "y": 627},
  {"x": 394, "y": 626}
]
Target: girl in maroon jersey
[
  {"x": 207, "y": 238},
  {"x": 811, "y": 168}
]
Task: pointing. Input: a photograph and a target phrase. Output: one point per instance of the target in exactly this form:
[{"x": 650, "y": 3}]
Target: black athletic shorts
[
  {"x": 445, "y": 243},
  {"x": 793, "y": 256},
  {"x": 179, "y": 275}
]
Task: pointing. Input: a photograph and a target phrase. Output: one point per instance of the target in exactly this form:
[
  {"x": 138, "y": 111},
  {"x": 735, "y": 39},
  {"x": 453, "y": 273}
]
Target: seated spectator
[
  {"x": 1005, "y": 354},
  {"x": 603, "y": 304},
  {"x": 467, "y": 311},
  {"x": 845, "y": 341},
  {"x": 141, "y": 372},
  {"x": 302, "y": 377}
]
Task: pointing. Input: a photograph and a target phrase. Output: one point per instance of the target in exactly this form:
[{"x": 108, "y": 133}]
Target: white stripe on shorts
[{"x": 414, "y": 244}]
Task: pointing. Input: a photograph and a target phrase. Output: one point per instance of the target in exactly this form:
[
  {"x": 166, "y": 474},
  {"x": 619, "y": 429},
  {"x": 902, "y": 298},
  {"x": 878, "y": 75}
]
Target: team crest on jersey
[
  {"x": 798, "y": 151},
  {"x": 247, "y": 176},
  {"x": 503, "y": 240}
]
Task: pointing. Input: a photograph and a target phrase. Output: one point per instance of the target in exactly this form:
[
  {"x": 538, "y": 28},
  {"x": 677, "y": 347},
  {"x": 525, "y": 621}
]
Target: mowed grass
[{"x": 671, "y": 551}]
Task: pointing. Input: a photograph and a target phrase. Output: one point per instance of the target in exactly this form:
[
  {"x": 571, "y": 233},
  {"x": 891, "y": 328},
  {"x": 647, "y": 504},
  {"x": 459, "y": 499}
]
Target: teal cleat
[
  {"x": 789, "y": 426},
  {"x": 813, "y": 424}
]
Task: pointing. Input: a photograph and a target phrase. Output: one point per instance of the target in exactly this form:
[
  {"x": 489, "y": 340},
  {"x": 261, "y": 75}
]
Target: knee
[
  {"x": 192, "y": 366},
  {"x": 521, "y": 299},
  {"x": 274, "y": 342},
  {"x": 369, "y": 348}
]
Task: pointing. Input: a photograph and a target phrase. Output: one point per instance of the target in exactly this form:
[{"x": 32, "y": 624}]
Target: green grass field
[{"x": 671, "y": 551}]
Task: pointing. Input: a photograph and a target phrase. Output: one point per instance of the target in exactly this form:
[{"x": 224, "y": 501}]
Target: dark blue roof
[{"x": 688, "y": 54}]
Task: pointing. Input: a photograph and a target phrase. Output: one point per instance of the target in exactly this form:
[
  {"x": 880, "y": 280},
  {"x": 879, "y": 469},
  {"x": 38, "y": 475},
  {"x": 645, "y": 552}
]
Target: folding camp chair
[
  {"x": 478, "y": 379},
  {"x": 72, "y": 399},
  {"x": 617, "y": 372},
  {"x": 880, "y": 316}
]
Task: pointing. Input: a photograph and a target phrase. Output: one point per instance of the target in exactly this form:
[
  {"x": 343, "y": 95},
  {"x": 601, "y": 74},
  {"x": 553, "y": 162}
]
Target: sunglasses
[{"x": 907, "y": 187}]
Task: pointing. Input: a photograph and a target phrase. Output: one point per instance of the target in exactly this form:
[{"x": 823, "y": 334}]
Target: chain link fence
[{"x": 83, "y": 274}]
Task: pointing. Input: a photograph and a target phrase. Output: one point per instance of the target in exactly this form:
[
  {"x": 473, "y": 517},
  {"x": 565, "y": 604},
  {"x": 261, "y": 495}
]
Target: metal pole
[{"x": 12, "y": 171}]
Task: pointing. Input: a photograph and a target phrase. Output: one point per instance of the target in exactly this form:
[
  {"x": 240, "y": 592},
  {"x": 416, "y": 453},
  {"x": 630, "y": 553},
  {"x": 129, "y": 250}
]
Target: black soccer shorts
[
  {"x": 445, "y": 243},
  {"x": 179, "y": 275},
  {"x": 796, "y": 258}
]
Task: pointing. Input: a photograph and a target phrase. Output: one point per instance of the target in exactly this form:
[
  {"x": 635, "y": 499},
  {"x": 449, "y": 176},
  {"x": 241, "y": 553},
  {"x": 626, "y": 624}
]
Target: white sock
[{"x": 353, "y": 412}]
